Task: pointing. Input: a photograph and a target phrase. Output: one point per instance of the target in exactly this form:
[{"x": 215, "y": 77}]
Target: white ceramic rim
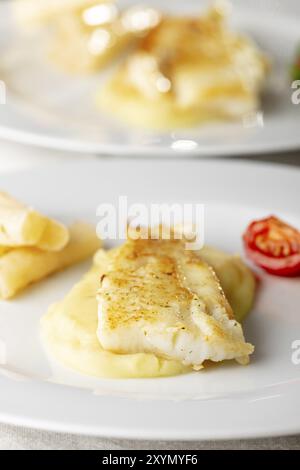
[{"x": 268, "y": 412}]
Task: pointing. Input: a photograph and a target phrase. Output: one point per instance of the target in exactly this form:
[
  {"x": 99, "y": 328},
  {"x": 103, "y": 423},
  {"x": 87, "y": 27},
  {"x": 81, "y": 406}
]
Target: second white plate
[{"x": 46, "y": 108}]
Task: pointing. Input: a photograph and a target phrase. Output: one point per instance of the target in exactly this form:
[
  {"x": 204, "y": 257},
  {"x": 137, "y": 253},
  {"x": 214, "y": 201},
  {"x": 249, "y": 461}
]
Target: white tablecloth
[
  {"x": 15, "y": 157},
  {"x": 15, "y": 438}
]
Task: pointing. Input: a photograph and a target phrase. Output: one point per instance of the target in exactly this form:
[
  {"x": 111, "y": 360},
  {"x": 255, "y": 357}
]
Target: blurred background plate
[{"x": 47, "y": 108}]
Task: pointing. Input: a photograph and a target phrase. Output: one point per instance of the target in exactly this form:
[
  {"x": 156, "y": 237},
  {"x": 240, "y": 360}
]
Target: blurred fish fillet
[{"x": 35, "y": 12}]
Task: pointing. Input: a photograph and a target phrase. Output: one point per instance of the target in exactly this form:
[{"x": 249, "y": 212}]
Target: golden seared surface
[
  {"x": 158, "y": 297},
  {"x": 148, "y": 277}
]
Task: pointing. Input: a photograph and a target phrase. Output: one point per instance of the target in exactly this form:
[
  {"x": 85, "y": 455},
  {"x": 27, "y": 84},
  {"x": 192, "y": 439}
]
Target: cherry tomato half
[{"x": 274, "y": 246}]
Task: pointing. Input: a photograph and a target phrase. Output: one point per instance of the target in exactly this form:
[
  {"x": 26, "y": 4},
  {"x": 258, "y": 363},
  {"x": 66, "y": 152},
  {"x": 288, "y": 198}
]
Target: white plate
[
  {"x": 227, "y": 401},
  {"x": 46, "y": 108}
]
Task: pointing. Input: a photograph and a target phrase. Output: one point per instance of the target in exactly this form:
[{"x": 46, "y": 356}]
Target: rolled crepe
[
  {"x": 22, "y": 226},
  {"x": 22, "y": 266}
]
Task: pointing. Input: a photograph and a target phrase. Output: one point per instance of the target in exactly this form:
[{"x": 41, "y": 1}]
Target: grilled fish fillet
[
  {"x": 31, "y": 13},
  {"x": 158, "y": 297}
]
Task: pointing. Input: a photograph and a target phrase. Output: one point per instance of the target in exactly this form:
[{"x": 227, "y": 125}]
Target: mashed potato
[
  {"x": 69, "y": 327},
  {"x": 237, "y": 280}
]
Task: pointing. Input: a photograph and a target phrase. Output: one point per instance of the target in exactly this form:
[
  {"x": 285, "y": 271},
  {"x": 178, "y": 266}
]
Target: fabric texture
[{"x": 17, "y": 438}]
